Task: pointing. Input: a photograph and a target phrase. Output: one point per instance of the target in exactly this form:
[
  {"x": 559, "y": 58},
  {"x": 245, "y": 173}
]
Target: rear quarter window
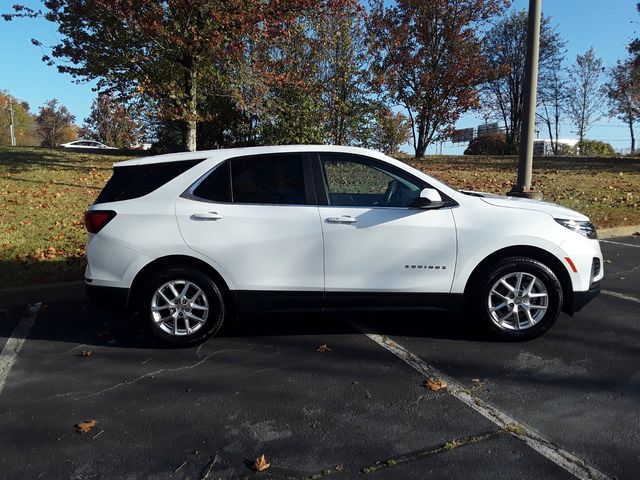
[{"x": 135, "y": 181}]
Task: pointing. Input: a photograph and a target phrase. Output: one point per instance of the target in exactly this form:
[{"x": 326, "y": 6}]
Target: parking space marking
[
  {"x": 533, "y": 439},
  {"x": 15, "y": 341},
  {"x": 620, "y": 243},
  {"x": 620, "y": 295}
]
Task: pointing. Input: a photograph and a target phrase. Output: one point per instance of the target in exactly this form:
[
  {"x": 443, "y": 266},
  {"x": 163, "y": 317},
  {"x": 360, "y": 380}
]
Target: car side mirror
[{"x": 428, "y": 198}]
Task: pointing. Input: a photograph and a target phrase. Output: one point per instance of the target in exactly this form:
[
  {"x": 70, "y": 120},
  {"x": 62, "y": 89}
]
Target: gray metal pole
[
  {"x": 527, "y": 134},
  {"x": 11, "y": 129}
]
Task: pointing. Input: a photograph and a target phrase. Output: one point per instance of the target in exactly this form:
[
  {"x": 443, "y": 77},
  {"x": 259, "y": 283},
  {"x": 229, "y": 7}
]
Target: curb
[
  {"x": 618, "y": 231},
  {"x": 47, "y": 292}
]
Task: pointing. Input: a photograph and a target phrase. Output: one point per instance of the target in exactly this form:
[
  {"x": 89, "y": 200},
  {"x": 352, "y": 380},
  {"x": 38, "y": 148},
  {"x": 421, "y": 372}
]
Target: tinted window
[
  {"x": 366, "y": 184},
  {"x": 215, "y": 187},
  {"x": 271, "y": 179},
  {"x": 139, "y": 180}
]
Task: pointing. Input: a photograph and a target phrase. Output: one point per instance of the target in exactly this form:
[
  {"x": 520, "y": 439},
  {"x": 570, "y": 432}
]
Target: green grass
[{"x": 44, "y": 193}]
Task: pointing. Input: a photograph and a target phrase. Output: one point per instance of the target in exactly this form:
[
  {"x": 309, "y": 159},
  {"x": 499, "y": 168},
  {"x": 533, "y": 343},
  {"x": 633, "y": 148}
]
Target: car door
[
  {"x": 256, "y": 217},
  {"x": 374, "y": 241}
]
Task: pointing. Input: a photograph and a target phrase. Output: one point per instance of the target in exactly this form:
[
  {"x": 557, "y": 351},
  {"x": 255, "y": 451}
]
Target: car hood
[{"x": 556, "y": 211}]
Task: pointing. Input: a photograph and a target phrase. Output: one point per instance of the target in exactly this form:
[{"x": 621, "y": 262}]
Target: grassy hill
[{"x": 44, "y": 193}]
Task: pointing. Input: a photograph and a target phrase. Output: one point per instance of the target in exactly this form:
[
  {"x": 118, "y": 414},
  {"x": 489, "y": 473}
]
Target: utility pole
[
  {"x": 11, "y": 130},
  {"x": 527, "y": 133}
]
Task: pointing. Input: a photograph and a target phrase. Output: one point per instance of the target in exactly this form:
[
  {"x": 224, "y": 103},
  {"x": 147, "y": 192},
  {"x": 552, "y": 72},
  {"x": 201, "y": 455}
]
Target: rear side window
[
  {"x": 270, "y": 179},
  {"x": 136, "y": 181},
  {"x": 215, "y": 186}
]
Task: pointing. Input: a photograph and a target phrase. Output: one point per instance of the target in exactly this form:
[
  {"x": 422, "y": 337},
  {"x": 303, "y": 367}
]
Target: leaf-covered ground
[{"x": 44, "y": 192}]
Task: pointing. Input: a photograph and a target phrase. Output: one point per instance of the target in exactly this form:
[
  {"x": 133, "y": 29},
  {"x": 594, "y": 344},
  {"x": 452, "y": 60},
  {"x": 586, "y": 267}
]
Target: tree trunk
[
  {"x": 191, "y": 123},
  {"x": 420, "y": 146},
  {"x": 633, "y": 138}
]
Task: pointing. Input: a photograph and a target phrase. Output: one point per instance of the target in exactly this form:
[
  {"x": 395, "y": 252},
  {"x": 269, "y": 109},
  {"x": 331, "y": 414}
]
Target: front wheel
[
  {"x": 182, "y": 306},
  {"x": 521, "y": 298}
]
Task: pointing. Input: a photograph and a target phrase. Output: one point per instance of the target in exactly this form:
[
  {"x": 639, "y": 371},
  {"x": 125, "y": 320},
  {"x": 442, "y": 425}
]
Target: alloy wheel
[
  {"x": 179, "y": 307},
  {"x": 517, "y": 301}
]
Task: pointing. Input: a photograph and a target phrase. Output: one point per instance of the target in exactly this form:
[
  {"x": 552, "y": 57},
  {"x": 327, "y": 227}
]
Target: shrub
[
  {"x": 491, "y": 144},
  {"x": 565, "y": 150},
  {"x": 595, "y": 148}
]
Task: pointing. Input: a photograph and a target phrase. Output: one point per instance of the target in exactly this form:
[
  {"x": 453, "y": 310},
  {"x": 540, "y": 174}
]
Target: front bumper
[
  {"x": 114, "y": 299},
  {"x": 580, "y": 299}
]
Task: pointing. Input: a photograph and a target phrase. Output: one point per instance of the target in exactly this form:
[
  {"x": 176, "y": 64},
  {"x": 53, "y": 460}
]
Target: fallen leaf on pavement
[
  {"x": 86, "y": 426},
  {"x": 434, "y": 385},
  {"x": 261, "y": 464},
  {"x": 323, "y": 348}
]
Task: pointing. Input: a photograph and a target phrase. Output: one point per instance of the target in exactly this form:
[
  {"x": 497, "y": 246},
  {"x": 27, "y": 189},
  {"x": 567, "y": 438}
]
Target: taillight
[{"x": 95, "y": 220}]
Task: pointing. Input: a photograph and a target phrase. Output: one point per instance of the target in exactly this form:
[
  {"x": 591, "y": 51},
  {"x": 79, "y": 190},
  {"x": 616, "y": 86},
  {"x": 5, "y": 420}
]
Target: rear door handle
[
  {"x": 346, "y": 219},
  {"x": 206, "y": 216}
]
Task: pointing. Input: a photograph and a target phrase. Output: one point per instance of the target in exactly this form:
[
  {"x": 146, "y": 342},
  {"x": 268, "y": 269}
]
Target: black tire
[
  {"x": 510, "y": 268},
  {"x": 213, "y": 299}
]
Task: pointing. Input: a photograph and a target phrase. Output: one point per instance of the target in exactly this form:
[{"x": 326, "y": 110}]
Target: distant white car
[
  {"x": 191, "y": 239},
  {"x": 86, "y": 144}
]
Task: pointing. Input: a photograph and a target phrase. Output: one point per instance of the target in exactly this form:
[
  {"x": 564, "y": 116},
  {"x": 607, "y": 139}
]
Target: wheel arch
[
  {"x": 179, "y": 261},
  {"x": 536, "y": 253}
]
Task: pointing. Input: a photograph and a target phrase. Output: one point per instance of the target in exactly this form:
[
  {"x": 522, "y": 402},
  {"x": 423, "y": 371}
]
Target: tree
[
  {"x": 157, "y": 48},
  {"x": 111, "y": 123},
  {"x": 504, "y": 52},
  {"x": 623, "y": 93},
  {"x": 55, "y": 124},
  {"x": 23, "y": 121},
  {"x": 343, "y": 73},
  {"x": 392, "y": 130},
  {"x": 552, "y": 99},
  {"x": 427, "y": 58},
  {"x": 584, "y": 105}
]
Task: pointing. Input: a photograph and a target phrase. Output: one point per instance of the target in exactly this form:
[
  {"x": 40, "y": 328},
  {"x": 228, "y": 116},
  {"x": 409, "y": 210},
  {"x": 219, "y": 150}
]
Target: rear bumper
[
  {"x": 580, "y": 299},
  {"x": 108, "y": 298}
]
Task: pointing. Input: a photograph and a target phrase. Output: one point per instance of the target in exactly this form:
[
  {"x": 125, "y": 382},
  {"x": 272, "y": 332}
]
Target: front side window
[
  {"x": 269, "y": 179},
  {"x": 354, "y": 183}
]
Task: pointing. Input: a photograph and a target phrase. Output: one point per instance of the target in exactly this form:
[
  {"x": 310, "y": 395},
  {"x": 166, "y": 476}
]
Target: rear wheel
[
  {"x": 182, "y": 306},
  {"x": 520, "y": 298}
]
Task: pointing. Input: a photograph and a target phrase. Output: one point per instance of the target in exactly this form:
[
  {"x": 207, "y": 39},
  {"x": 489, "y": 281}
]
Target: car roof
[{"x": 225, "y": 153}]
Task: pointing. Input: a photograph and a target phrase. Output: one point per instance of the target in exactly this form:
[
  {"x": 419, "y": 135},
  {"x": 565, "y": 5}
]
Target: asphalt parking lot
[{"x": 566, "y": 405}]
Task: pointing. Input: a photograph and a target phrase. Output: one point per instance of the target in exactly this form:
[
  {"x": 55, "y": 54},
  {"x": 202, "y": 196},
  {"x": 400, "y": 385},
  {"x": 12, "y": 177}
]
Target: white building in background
[{"x": 543, "y": 148}]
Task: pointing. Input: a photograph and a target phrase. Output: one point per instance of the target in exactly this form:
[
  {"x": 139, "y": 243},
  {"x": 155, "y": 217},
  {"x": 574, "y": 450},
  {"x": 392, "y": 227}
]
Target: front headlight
[{"x": 587, "y": 229}]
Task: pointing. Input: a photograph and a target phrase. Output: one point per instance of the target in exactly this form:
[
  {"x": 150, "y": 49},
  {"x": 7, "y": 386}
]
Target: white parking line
[
  {"x": 620, "y": 243},
  {"x": 15, "y": 342},
  {"x": 620, "y": 295},
  {"x": 560, "y": 457}
]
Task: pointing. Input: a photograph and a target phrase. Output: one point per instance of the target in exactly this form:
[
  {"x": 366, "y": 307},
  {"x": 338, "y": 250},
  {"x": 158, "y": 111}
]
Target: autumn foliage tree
[
  {"x": 111, "y": 123},
  {"x": 162, "y": 49},
  {"x": 427, "y": 58},
  {"x": 54, "y": 124},
  {"x": 391, "y": 131}
]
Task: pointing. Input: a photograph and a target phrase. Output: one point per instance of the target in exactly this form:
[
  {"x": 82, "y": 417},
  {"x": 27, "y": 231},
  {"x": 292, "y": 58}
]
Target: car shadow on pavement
[{"x": 80, "y": 323}]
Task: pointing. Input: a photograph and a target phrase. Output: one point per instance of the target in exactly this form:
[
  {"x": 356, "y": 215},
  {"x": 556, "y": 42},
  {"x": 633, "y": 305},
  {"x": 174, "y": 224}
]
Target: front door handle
[
  {"x": 345, "y": 219},
  {"x": 206, "y": 216}
]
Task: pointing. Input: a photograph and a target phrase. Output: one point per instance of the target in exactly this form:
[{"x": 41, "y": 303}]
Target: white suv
[{"x": 190, "y": 240}]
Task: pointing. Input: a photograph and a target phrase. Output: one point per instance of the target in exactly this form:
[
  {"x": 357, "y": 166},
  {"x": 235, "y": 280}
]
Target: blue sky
[{"x": 607, "y": 26}]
